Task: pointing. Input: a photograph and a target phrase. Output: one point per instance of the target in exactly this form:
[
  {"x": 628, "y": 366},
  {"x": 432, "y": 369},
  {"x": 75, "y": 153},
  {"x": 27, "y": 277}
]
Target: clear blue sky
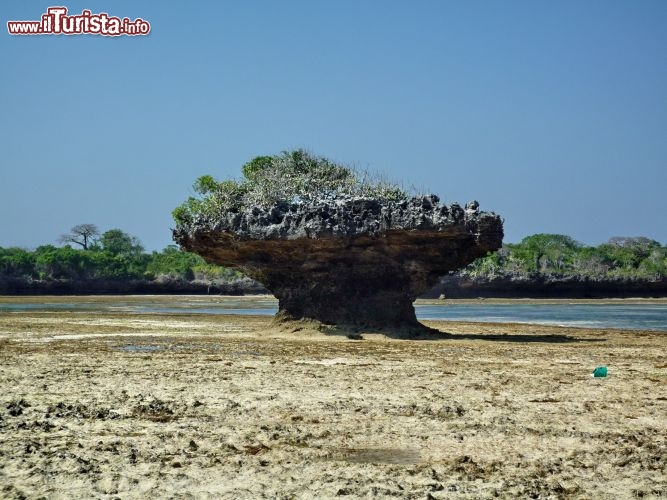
[{"x": 552, "y": 114}]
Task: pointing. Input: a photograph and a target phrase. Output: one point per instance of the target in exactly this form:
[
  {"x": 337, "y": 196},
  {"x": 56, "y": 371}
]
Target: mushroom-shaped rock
[
  {"x": 328, "y": 242},
  {"x": 350, "y": 260}
]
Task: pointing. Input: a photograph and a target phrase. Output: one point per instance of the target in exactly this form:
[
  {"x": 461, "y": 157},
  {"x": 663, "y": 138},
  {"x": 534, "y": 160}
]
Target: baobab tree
[{"x": 81, "y": 234}]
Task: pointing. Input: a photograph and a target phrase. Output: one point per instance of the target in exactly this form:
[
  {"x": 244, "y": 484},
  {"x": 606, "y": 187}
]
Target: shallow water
[{"x": 627, "y": 316}]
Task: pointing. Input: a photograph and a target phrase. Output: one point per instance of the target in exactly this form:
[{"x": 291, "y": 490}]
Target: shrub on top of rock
[{"x": 289, "y": 177}]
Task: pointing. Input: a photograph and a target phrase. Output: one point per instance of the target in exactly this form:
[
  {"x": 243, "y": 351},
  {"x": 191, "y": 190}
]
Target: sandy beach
[{"x": 126, "y": 405}]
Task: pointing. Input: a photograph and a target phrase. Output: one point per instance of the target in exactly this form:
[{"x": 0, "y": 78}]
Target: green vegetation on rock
[{"x": 290, "y": 177}]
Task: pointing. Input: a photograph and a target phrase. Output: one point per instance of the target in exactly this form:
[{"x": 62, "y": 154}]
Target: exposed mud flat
[{"x": 133, "y": 405}]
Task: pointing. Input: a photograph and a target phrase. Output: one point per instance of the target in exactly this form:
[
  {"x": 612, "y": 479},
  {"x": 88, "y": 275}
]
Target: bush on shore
[{"x": 556, "y": 255}]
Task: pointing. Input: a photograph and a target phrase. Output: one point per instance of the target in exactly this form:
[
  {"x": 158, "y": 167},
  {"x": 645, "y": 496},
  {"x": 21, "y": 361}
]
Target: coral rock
[{"x": 352, "y": 261}]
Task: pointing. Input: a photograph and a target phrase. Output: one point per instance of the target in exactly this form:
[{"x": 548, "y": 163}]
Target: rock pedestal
[{"x": 352, "y": 262}]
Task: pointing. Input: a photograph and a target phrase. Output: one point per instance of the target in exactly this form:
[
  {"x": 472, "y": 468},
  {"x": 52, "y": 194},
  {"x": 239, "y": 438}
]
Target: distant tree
[
  {"x": 546, "y": 252},
  {"x": 16, "y": 262},
  {"x": 118, "y": 242},
  {"x": 557, "y": 254},
  {"x": 174, "y": 263},
  {"x": 60, "y": 263},
  {"x": 81, "y": 234},
  {"x": 640, "y": 246},
  {"x": 629, "y": 254}
]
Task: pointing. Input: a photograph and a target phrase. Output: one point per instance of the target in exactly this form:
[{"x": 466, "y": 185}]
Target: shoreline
[
  {"x": 452, "y": 287},
  {"x": 255, "y": 297},
  {"x": 479, "y": 311},
  {"x": 557, "y": 301}
]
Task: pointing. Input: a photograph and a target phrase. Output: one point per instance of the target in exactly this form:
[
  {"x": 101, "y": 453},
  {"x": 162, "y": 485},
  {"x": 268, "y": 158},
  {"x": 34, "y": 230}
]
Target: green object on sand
[{"x": 600, "y": 371}]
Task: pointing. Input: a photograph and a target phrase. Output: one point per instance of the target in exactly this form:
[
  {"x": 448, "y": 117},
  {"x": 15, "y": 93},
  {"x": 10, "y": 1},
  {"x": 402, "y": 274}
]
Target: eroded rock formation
[{"x": 352, "y": 261}]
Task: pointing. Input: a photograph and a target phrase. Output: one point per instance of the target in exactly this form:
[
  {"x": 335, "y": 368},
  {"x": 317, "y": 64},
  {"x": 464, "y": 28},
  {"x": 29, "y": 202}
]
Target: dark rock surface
[
  {"x": 352, "y": 261},
  {"x": 20, "y": 286}
]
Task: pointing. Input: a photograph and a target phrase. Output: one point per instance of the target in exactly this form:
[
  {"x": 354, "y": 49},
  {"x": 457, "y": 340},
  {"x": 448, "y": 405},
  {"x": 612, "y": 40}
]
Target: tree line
[
  {"x": 88, "y": 254},
  {"x": 557, "y": 255},
  {"x": 115, "y": 255}
]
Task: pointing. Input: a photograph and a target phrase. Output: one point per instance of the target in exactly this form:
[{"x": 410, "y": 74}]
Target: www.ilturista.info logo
[{"x": 56, "y": 22}]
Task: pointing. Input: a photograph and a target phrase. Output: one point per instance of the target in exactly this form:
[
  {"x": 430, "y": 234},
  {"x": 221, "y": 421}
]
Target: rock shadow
[
  {"x": 527, "y": 338},
  {"x": 425, "y": 333},
  {"x": 419, "y": 331}
]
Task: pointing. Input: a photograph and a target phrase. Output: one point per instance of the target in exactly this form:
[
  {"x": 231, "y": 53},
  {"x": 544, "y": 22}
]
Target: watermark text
[{"x": 56, "y": 21}]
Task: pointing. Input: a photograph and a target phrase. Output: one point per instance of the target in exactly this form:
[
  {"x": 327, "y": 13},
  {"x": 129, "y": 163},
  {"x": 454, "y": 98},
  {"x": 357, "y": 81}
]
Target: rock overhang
[{"x": 360, "y": 253}]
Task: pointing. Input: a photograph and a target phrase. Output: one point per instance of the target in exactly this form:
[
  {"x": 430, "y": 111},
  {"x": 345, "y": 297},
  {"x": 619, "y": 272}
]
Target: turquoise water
[{"x": 629, "y": 316}]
